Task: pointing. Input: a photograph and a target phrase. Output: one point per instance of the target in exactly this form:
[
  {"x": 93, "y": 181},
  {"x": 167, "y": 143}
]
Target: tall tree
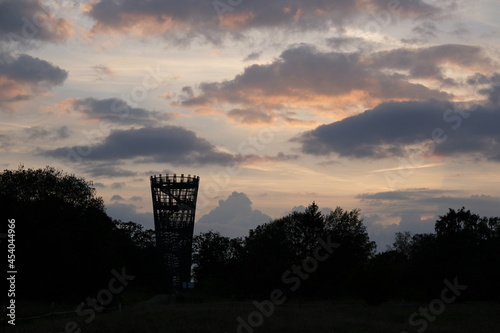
[
  {"x": 65, "y": 245},
  {"x": 469, "y": 247}
]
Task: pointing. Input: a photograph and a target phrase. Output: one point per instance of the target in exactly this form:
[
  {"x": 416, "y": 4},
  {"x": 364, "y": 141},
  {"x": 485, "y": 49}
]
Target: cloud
[
  {"x": 167, "y": 144},
  {"x": 233, "y": 217},
  {"x": 117, "y": 111},
  {"x": 304, "y": 78},
  {"x": 416, "y": 210},
  {"x": 384, "y": 235},
  {"x": 423, "y": 32},
  {"x": 26, "y": 20},
  {"x": 488, "y": 86},
  {"x": 117, "y": 186},
  {"x": 431, "y": 62},
  {"x": 253, "y": 56},
  {"x": 399, "y": 128},
  {"x": 23, "y": 77},
  {"x": 129, "y": 212},
  {"x": 117, "y": 197},
  {"x": 428, "y": 202},
  {"x": 214, "y": 20},
  {"x": 40, "y": 132},
  {"x": 102, "y": 72},
  {"x": 106, "y": 170}
]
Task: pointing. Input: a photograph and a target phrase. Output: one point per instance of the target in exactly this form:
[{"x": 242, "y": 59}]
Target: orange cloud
[
  {"x": 12, "y": 91},
  {"x": 138, "y": 25},
  {"x": 310, "y": 82},
  {"x": 235, "y": 20}
]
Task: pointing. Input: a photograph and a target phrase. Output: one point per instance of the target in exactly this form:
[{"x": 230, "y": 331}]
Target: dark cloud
[
  {"x": 488, "y": 86},
  {"x": 40, "y": 132},
  {"x": 25, "y": 68},
  {"x": 117, "y": 111},
  {"x": 117, "y": 197},
  {"x": 409, "y": 8},
  {"x": 22, "y": 77},
  {"x": 392, "y": 129},
  {"x": 252, "y": 56},
  {"x": 430, "y": 62},
  {"x": 168, "y": 144},
  {"x": 214, "y": 20},
  {"x": 305, "y": 78},
  {"x": 27, "y": 20},
  {"x": 107, "y": 171},
  {"x": 233, "y": 217},
  {"x": 187, "y": 92}
]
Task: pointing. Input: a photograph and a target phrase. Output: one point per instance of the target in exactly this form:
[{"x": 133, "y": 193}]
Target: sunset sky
[{"x": 389, "y": 106}]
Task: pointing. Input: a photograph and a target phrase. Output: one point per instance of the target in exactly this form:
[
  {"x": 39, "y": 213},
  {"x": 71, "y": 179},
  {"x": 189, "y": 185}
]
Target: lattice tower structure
[{"x": 174, "y": 206}]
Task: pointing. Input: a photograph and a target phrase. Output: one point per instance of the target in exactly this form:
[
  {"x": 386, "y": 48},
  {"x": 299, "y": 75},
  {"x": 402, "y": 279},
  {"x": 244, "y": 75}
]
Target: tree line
[
  {"x": 67, "y": 245},
  {"x": 464, "y": 246}
]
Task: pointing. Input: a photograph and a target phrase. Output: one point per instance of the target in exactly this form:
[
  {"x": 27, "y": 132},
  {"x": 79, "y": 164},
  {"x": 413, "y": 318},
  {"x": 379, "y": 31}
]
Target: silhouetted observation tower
[{"x": 174, "y": 205}]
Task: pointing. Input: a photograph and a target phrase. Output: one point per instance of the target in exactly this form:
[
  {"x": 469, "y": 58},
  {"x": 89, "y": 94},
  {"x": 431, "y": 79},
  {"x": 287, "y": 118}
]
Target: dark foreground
[{"x": 311, "y": 317}]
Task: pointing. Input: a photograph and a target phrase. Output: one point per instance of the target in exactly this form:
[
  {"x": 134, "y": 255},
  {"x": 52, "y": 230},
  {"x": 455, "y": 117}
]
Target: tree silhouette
[
  {"x": 66, "y": 244},
  {"x": 61, "y": 232},
  {"x": 256, "y": 264},
  {"x": 469, "y": 247}
]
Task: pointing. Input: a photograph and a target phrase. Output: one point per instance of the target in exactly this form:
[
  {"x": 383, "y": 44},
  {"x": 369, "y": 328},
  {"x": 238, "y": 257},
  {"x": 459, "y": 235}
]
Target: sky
[{"x": 387, "y": 106}]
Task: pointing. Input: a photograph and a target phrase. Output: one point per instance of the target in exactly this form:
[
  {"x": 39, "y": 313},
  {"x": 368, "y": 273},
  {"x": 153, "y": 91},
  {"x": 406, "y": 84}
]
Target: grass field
[{"x": 311, "y": 317}]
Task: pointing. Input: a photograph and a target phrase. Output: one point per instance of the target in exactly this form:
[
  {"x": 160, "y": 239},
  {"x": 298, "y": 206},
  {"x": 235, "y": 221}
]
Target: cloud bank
[
  {"x": 214, "y": 20},
  {"x": 168, "y": 144},
  {"x": 305, "y": 78},
  {"x": 395, "y": 128}
]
